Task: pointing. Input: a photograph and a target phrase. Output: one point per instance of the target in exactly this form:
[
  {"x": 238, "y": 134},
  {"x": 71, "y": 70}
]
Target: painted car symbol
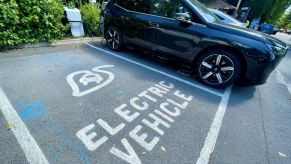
[{"x": 94, "y": 78}]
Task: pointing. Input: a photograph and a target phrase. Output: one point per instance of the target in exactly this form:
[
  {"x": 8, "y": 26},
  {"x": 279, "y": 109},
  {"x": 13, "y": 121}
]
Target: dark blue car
[
  {"x": 268, "y": 29},
  {"x": 186, "y": 32}
]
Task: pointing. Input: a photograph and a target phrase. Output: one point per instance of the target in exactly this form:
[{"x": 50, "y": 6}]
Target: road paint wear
[
  {"x": 158, "y": 121},
  {"x": 32, "y": 152},
  {"x": 35, "y": 110}
]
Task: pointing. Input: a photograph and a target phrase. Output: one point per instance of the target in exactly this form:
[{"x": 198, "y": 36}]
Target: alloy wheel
[
  {"x": 113, "y": 38},
  {"x": 217, "y": 69}
]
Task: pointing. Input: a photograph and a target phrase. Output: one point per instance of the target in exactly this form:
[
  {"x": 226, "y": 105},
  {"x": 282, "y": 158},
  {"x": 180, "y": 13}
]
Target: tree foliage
[
  {"x": 268, "y": 10},
  {"x": 284, "y": 21},
  {"x": 29, "y": 21},
  {"x": 91, "y": 17}
]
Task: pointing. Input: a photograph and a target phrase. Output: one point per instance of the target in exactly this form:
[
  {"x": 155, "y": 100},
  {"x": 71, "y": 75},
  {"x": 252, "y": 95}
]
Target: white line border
[
  {"x": 34, "y": 154},
  {"x": 30, "y": 148},
  {"x": 157, "y": 71},
  {"x": 210, "y": 141}
]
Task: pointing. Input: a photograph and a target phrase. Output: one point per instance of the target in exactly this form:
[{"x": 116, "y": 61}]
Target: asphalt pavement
[
  {"x": 87, "y": 104},
  {"x": 284, "y": 37}
]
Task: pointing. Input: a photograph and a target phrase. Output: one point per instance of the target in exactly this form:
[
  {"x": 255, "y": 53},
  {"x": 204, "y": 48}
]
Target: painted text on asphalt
[{"x": 158, "y": 120}]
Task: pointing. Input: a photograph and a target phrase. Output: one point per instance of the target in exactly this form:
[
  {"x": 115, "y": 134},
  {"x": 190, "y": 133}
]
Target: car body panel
[{"x": 185, "y": 42}]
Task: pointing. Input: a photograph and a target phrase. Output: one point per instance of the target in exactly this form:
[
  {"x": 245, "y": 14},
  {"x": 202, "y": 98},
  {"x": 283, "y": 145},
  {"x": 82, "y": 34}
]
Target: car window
[
  {"x": 180, "y": 9},
  {"x": 134, "y": 5},
  {"x": 204, "y": 12},
  {"x": 164, "y": 8},
  {"x": 121, "y": 3},
  {"x": 169, "y": 8},
  {"x": 138, "y": 5}
]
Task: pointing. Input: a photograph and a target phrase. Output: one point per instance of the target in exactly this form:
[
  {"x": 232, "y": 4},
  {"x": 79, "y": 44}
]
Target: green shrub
[
  {"x": 9, "y": 21},
  {"x": 30, "y": 21},
  {"x": 73, "y": 3},
  {"x": 91, "y": 17}
]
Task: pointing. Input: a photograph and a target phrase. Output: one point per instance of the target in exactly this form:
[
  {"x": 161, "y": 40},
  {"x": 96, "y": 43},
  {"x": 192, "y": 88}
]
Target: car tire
[
  {"x": 218, "y": 68},
  {"x": 114, "y": 38}
]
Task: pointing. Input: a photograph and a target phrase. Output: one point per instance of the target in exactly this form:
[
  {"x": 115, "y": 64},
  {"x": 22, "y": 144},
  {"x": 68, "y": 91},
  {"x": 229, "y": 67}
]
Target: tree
[
  {"x": 268, "y": 10},
  {"x": 284, "y": 21}
]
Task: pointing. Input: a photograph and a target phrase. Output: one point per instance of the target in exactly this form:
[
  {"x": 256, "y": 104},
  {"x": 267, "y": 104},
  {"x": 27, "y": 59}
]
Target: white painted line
[
  {"x": 157, "y": 71},
  {"x": 281, "y": 79},
  {"x": 30, "y": 148},
  {"x": 210, "y": 141}
]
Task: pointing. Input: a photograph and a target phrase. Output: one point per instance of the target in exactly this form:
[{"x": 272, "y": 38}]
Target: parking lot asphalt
[{"x": 87, "y": 104}]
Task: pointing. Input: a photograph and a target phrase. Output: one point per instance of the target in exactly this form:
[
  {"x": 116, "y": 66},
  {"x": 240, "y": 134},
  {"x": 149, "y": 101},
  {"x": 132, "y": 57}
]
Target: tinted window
[
  {"x": 169, "y": 8},
  {"x": 164, "y": 8},
  {"x": 121, "y": 3},
  {"x": 134, "y": 5},
  {"x": 204, "y": 12},
  {"x": 180, "y": 9}
]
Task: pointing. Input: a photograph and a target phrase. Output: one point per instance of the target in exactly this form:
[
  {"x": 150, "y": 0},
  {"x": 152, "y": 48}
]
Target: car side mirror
[{"x": 183, "y": 17}]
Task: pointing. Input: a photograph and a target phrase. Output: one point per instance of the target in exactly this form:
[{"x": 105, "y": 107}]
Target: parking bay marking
[
  {"x": 162, "y": 117},
  {"x": 157, "y": 71},
  {"x": 210, "y": 141},
  {"x": 34, "y": 154},
  {"x": 30, "y": 148}
]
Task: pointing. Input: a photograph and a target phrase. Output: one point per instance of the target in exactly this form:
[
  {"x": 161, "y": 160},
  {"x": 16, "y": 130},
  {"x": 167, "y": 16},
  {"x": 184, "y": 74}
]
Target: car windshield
[
  {"x": 226, "y": 17},
  {"x": 204, "y": 12}
]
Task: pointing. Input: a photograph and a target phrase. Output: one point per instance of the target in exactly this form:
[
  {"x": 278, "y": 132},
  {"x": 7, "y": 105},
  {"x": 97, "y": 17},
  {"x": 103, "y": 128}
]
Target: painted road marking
[
  {"x": 35, "y": 110},
  {"x": 210, "y": 141},
  {"x": 89, "y": 77},
  {"x": 282, "y": 80},
  {"x": 30, "y": 148},
  {"x": 158, "y": 121},
  {"x": 34, "y": 154},
  {"x": 158, "y": 71}
]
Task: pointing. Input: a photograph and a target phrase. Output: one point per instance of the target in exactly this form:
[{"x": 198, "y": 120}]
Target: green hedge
[
  {"x": 91, "y": 17},
  {"x": 30, "y": 21}
]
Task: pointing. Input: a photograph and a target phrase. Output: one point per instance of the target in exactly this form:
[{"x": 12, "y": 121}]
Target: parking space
[{"x": 90, "y": 105}]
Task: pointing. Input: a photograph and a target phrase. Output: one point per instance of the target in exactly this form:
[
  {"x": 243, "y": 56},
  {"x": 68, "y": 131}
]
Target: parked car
[
  {"x": 268, "y": 29},
  {"x": 227, "y": 18},
  {"x": 282, "y": 30},
  {"x": 187, "y": 32}
]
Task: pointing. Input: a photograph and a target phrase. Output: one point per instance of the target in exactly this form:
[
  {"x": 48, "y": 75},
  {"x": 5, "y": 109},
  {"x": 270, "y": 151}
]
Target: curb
[{"x": 56, "y": 43}]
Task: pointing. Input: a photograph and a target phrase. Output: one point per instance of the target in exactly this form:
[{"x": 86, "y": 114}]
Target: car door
[
  {"x": 135, "y": 23},
  {"x": 170, "y": 35}
]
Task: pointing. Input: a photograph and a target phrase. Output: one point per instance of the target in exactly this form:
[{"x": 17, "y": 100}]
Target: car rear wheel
[
  {"x": 218, "y": 68},
  {"x": 114, "y": 38}
]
